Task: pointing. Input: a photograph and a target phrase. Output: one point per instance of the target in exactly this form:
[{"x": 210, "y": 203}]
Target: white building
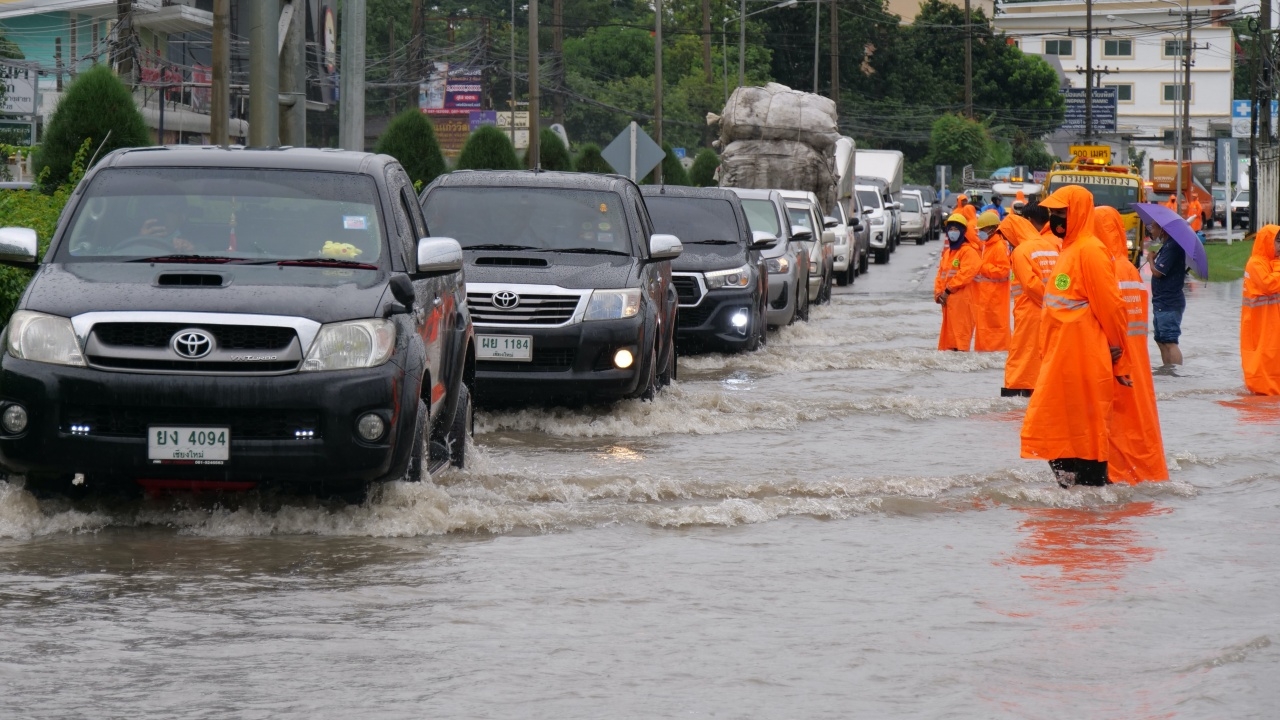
[{"x": 1140, "y": 43}]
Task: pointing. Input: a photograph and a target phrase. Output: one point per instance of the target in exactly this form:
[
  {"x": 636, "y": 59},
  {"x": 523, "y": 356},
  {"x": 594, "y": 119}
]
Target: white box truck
[{"x": 886, "y": 165}]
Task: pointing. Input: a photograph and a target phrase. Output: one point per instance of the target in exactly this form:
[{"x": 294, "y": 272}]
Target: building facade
[{"x": 1139, "y": 48}]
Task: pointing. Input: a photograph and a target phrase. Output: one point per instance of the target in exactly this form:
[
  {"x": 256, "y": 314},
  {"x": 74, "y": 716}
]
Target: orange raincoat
[
  {"x": 1194, "y": 214},
  {"x": 1260, "y": 315},
  {"x": 1070, "y": 412},
  {"x": 1028, "y": 279},
  {"x": 991, "y": 295},
  {"x": 1137, "y": 450},
  {"x": 956, "y": 272}
]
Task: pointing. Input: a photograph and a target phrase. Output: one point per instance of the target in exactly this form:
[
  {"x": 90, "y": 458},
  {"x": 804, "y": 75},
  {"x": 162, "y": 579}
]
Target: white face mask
[
  {"x": 953, "y": 235},
  {"x": 983, "y": 235}
]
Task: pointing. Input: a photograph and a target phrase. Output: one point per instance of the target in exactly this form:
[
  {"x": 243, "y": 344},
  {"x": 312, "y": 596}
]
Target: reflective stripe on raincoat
[
  {"x": 1027, "y": 289},
  {"x": 991, "y": 296},
  {"x": 1137, "y": 448},
  {"x": 1260, "y": 316},
  {"x": 1070, "y": 411}
]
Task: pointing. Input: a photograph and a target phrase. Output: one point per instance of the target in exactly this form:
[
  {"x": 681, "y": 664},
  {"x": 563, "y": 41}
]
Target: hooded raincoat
[
  {"x": 1260, "y": 315},
  {"x": 1028, "y": 277},
  {"x": 957, "y": 269},
  {"x": 1069, "y": 415},
  {"x": 1137, "y": 449},
  {"x": 991, "y": 295}
]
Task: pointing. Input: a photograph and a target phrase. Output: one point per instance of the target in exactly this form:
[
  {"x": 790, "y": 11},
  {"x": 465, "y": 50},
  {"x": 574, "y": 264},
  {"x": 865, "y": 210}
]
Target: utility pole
[
  {"x": 742, "y": 42},
  {"x": 557, "y": 49},
  {"x": 968, "y": 61},
  {"x": 817, "y": 34},
  {"x": 126, "y": 40},
  {"x": 264, "y": 74},
  {"x": 1264, "y": 41},
  {"x": 391, "y": 64},
  {"x": 293, "y": 77},
  {"x": 657, "y": 84},
  {"x": 1088, "y": 70},
  {"x": 220, "y": 87},
  {"x": 534, "y": 152},
  {"x": 351, "y": 85},
  {"x": 513, "y": 73},
  {"x": 706, "y": 40},
  {"x": 834, "y": 21}
]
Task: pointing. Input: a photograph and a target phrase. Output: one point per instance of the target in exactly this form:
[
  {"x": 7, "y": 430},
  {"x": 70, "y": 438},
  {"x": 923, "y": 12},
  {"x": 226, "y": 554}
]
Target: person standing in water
[{"x": 953, "y": 287}]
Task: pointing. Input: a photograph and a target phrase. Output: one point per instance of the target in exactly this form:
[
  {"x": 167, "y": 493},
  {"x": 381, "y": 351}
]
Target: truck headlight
[
  {"x": 778, "y": 265},
  {"x": 1131, "y": 237},
  {"x": 613, "y": 304},
  {"x": 877, "y": 220},
  {"x": 351, "y": 344},
  {"x": 735, "y": 278},
  {"x": 44, "y": 338}
]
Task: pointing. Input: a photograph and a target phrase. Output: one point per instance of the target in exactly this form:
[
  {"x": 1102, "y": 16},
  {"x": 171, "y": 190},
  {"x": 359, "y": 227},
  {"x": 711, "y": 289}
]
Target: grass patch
[{"x": 1226, "y": 262}]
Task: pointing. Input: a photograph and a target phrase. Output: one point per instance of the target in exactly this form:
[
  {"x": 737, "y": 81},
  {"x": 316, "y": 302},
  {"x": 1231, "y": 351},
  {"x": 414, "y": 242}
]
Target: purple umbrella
[{"x": 1176, "y": 227}]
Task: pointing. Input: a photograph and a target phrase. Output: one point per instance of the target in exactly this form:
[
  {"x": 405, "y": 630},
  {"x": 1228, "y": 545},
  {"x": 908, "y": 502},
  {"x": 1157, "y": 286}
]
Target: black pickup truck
[{"x": 223, "y": 318}]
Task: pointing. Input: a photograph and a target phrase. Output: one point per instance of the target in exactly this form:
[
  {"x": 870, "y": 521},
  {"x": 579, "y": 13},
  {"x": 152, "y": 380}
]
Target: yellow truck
[{"x": 1116, "y": 186}]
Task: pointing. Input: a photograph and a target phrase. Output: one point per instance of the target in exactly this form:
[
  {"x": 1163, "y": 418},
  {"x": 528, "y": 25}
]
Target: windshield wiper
[
  {"x": 326, "y": 262},
  {"x": 713, "y": 242},
  {"x": 500, "y": 246},
  {"x": 208, "y": 259},
  {"x": 589, "y": 251}
]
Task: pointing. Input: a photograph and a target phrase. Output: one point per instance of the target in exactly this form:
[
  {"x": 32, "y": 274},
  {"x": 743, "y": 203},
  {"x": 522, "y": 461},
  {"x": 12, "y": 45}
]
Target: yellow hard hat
[
  {"x": 958, "y": 218},
  {"x": 988, "y": 219}
]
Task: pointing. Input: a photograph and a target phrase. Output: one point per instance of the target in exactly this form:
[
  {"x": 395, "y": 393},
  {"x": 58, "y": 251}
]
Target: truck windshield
[
  {"x": 236, "y": 213},
  {"x": 799, "y": 216},
  {"x": 695, "y": 220},
  {"x": 762, "y": 216},
  {"x": 909, "y": 204},
  {"x": 869, "y": 198},
  {"x": 526, "y": 218}
]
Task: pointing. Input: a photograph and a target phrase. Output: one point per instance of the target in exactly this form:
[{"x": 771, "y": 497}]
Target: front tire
[
  {"x": 882, "y": 256},
  {"x": 462, "y": 428}
]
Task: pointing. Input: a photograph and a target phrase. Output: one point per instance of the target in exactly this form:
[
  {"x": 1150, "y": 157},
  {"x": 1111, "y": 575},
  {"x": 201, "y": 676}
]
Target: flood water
[{"x": 836, "y": 526}]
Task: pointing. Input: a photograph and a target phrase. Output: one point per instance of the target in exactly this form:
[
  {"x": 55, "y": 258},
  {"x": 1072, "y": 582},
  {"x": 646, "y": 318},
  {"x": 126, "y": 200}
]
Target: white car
[
  {"x": 878, "y": 216},
  {"x": 806, "y": 215}
]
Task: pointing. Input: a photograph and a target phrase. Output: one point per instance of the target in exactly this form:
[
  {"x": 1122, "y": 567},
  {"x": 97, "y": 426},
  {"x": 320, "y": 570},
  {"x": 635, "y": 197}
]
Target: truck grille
[
  {"x": 531, "y": 309},
  {"x": 695, "y": 316},
  {"x": 245, "y": 424},
  {"x": 544, "y": 360},
  {"x": 158, "y": 335},
  {"x": 237, "y": 349},
  {"x": 688, "y": 290}
]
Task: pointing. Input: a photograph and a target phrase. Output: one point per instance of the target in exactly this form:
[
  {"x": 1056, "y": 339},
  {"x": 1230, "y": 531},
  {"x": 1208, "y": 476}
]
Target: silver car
[
  {"x": 915, "y": 224},
  {"x": 787, "y": 262}
]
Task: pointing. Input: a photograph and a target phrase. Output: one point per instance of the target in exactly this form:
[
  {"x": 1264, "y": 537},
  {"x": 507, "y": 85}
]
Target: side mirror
[
  {"x": 664, "y": 247},
  {"x": 897, "y": 206},
  {"x": 18, "y": 246},
  {"x": 830, "y": 222},
  {"x": 857, "y": 226},
  {"x": 828, "y": 237},
  {"x": 801, "y": 234},
  {"x": 438, "y": 256},
  {"x": 867, "y": 211},
  {"x": 761, "y": 240}
]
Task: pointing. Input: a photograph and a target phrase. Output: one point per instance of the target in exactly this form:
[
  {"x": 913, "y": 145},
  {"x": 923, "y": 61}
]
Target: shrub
[
  {"x": 703, "y": 172},
  {"x": 552, "y": 152},
  {"x": 411, "y": 139},
  {"x": 488, "y": 148},
  {"x": 591, "y": 161},
  {"x": 38, "y": 211},
  {"x": 673, "y": 172},
  {"x": 95, "y": 104}
]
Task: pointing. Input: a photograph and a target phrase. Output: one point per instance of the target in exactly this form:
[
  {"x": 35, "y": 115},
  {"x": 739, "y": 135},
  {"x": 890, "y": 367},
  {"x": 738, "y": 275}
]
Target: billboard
[
  {"x": 451, "y": 90},
  {"x": 19, "y": 89},
  {"x": 1104, "y": 110}
]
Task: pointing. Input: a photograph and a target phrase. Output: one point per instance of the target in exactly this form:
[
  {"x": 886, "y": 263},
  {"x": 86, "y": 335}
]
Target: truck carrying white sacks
[{"x": 776, "y": 138}]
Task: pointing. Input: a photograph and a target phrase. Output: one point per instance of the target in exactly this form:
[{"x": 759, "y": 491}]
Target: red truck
[{"x": 1196, "y": 176}]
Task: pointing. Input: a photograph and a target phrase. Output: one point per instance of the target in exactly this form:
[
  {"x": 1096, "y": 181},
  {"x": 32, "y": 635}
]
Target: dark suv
[
  {"x": 222, "y": 318},
  {"x": 720, "y": 277},
  {"x": 568, "y": 283}
]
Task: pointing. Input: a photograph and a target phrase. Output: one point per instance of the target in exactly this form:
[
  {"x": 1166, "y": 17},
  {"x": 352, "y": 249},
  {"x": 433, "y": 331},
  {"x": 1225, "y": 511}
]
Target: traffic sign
[
  {"x": 633, "y": 153},
  {"x": 1241, "y": 110}
]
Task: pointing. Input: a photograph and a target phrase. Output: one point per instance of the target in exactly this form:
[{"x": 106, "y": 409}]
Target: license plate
[
  {"x": 188, "y": 445},
  {"x": 505, "y": 347}
]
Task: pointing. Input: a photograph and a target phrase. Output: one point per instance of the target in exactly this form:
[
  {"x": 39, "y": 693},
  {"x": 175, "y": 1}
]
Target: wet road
[{"x": 836, "y": 526}]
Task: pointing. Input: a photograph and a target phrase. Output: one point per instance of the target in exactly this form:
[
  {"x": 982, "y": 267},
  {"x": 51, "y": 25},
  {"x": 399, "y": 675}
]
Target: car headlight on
[
  {"x": 44, "y": 338},
  {"x": 351, "y": 344},
  {"x": 613, "y": 304},
  {"x": 735, "y": 278},
  {"x": 777, "y": 265},
  {"x": 1131, "y": 237}
]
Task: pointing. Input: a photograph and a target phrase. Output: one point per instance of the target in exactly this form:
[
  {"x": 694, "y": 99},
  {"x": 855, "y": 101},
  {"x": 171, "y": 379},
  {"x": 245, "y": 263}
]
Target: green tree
[
  {"x": 488, "y": 148},
  {"x": 958, "y": 141},
  {"x": 411, "y": 139},
  {"x": 96, "y": 104},
  {"x": 703, "y": 172},
  {"x": 591, "y": 161},
  {"x": 552, "y": 153}
]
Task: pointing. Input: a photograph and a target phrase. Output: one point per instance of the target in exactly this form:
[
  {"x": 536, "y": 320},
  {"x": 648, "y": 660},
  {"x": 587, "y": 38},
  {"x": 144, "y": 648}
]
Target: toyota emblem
[
  {"x": 505, "y": 300},
  {"x": 192, "y": 344}
]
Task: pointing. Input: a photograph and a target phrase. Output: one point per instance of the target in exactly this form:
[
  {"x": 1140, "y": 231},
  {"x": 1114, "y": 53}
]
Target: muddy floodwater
[{"x": 836, "y": 526}]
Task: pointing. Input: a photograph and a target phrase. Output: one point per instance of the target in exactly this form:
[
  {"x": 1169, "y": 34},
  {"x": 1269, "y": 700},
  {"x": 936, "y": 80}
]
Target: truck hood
[
  {"x": 703, "y": 258},
  {"x": 320, "y": 294},
  {"x": 577, "y": 271}
]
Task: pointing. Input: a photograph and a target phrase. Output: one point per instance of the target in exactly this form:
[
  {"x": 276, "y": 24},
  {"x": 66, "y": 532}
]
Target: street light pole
[
  {"x": 534, "y": 151},
  {"x": 657, "y": 84},
  {"x": 1088, "y": 70},
  {"x": 742, "y": 42}
]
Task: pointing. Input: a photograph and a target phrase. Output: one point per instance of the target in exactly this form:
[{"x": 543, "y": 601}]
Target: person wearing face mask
[
  {"x": 1027, "y": 287},
  {"x": 1083, "y": 332},
  {"x": 953, "y": 286},
  {"x": 1137, "y": 449},
  {"x": 991, "y": 293},
  {"x": 1260, "y": 314}
]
